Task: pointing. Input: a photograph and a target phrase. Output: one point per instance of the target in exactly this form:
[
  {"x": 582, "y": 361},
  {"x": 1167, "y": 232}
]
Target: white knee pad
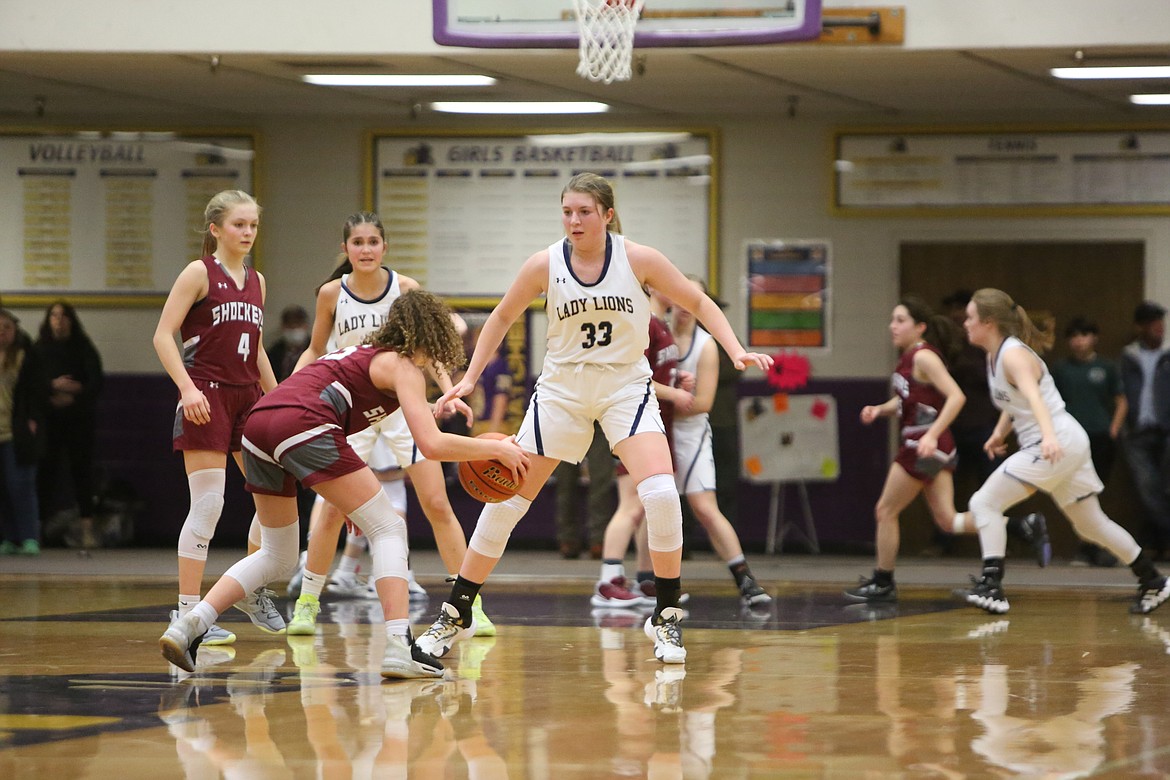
[
  {"x": 254, "y": 535},
  {"x": 206, "y": 486},
  {"x": 386, "y": 531},
  {"x": 275, "y": 560},
  {"x": 495, "y": 525},
  {"x": 1092, "y": 524},
  {"x": 663, "y": 512}
]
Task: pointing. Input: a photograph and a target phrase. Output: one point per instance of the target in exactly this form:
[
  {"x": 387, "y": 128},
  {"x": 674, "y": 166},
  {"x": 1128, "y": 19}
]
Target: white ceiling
[{"x": 849, "y": 85}]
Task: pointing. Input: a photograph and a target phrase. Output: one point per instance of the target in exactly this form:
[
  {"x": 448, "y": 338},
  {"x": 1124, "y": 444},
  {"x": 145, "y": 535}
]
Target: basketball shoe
[
  {"x": 304, "y": 619},
  {"x": 260, "y": 609},
  {"x": 667, "y": 635},
  {"x": 868, "y": 590},
  {"x": 987, "y": 594},
  {"x": 1150, "y": 596},
  {"x": 180, "y": 642},
  {"x": 483, "y": 625},
  {"x": 751, "y": 593},
  {"x": 345, "y": 585},
  {"x": 404, "y": 661},
  {"x": 615, "y": 593},
  {"x": 447, "y": 629},
  {"x": 215, "y": 635},
  {"x": 1033, "y": 529}
]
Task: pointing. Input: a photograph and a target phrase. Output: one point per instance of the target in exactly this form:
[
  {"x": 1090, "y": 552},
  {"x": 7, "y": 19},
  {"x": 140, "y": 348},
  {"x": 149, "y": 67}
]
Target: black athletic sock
[
  {"x": 993, "y": 568},
  {"x": 644, "y": 576},
  {"x": 741, "y": 572},
  {"x": 1143, "y": 568},
  {"x": 463, "y": 593},
  {"x": 668, "y": 589},
  {"x": 883, "y": 577}
]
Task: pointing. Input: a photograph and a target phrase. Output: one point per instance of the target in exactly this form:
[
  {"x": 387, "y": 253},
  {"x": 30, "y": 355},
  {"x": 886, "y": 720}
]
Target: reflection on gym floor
[{"x": 1068, "y": 686}]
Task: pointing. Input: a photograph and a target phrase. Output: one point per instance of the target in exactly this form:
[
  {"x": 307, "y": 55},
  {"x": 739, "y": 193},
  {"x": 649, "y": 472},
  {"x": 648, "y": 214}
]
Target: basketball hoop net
[{"x": 607, "y": 38}]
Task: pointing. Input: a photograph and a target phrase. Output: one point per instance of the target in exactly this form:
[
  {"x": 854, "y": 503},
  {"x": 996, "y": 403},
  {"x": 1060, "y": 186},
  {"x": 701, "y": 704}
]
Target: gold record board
[
  {"x": 463, "y": 212},
  {"x": 109, "y": 218},
  {"x": 1003, "y": 172}
]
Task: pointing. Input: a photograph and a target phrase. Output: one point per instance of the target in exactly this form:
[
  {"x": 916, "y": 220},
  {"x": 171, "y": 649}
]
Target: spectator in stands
[
  {"x": 24, "y": 394},
  {"x": 74, "y": 370}
]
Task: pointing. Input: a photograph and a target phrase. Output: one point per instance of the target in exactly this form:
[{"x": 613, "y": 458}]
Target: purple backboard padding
[{"x": 809, "y": 29}]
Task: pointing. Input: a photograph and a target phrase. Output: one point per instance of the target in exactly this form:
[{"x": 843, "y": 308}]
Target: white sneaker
[
  {"x": 180, "y": 642},
  {"x": 346, "y": 586},
  {"x": 417, "y": 592},
  {"x": 437, "y": 640},
  {"x": 667, "y": 636},
  {"x": 403, "y": 661},
  {"x": 261, "y": 610}
]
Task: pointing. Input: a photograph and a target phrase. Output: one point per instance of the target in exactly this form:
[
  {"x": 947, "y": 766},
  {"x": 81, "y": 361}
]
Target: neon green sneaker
[
  {"x": 304, "y": 619},
  {"x": 483, "y": 626}
]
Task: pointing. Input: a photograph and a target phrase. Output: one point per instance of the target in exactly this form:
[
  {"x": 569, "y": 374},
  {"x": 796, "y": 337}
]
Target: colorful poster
[{"x": 788, "y": 293}]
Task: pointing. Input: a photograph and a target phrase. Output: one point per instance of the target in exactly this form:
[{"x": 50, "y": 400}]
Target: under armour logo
[
  {"x": 562, "y": 279},
  {"x": 213, "y": 385},
  {"x": 222, "y": 285}
]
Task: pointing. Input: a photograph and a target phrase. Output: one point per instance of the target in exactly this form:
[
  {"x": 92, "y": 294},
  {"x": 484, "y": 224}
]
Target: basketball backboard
[{"x": 517, "y": 24}]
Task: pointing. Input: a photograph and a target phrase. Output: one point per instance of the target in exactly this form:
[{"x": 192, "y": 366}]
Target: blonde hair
[
  {"x": 1010, "y": 318},
  {"x": 419, "y": 322},
  {"x": 215, "y": 212},
  {"x": 598, "y": 188}
]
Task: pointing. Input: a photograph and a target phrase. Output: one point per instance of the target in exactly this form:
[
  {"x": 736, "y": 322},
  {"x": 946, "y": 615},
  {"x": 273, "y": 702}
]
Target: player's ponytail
[{"x": 1010, "y": 318}]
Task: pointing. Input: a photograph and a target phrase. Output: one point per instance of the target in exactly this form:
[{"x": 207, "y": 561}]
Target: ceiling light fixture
[
  {"x": 1114, "y": 72},
  {"x": 520, "y": 107},
  {"x": 1150, "y": 100},
  {"x": 375, "y": 80}
]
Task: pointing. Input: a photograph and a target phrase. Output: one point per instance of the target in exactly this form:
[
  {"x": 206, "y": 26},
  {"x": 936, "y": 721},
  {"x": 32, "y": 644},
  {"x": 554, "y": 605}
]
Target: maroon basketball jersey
[
  {"x": 221, "y": 333},
  {"x": 921, "y": 402},
  {"x": 335, "y": 389},
  {"x": 663, "y": 356}
]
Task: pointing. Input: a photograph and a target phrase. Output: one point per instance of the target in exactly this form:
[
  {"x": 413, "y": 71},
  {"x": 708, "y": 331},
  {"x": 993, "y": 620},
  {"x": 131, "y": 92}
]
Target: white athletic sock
[{"x": 313, "y": 583}]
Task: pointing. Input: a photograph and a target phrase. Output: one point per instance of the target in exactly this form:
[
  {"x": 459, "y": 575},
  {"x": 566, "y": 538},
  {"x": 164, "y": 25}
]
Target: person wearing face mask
[{"x": 294, "y": 337}]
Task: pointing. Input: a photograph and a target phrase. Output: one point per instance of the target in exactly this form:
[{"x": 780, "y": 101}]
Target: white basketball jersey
[
  {"x": 690, "y": 363},
  {"x": 607, "y": 322},
  {"x": 355, "y": 318},
  {"x": 1009, "y": 399}
]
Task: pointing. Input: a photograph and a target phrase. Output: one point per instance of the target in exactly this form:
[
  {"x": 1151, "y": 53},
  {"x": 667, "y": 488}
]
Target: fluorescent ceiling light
[
  {"x": 520, "y": 107},
  {"x": 1150, "y": 100},
  {"x": 1118, "y": 72},
  {"x": 585, "y": 139},
  {"x": 375, "y": 80}
]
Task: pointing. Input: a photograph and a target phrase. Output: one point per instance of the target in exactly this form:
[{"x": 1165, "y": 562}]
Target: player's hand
[
  {"x": 869, "y": 414},
  {"x": 927, "y": 445},
  {"x": 683, "y": 403},
  {"x": 513, "y": 457},
  {"x": 686, "y": 381},
  {"x": 445, "y": 404},
  {"x": 995, "y": 447},
  {"x": 757, "y": 359},
  {"x": 196, "y": 408},
  {"x": 453, "y": 407},
  {"x": 1051, "y": 450}
]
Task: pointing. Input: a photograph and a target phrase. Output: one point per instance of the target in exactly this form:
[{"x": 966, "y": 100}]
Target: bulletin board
[
  {"x": 464, "y": 211},
  {"x": 788, "y": 292},
  {"x": 109, "y": 218},
  {"x": 789, "y": 438}
]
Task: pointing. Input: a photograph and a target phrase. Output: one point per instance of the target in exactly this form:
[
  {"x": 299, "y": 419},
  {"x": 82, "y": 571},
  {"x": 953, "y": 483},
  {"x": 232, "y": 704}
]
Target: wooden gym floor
[{"x": 1068, "y": 684}]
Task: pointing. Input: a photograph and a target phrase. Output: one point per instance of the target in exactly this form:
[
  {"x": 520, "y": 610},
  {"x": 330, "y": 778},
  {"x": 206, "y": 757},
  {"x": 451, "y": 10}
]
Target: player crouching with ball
[{"x": 298, "y": 432}]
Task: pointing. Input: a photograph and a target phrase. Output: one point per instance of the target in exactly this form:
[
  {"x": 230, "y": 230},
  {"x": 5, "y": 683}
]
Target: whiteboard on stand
[{"x": 789, "y": 438}]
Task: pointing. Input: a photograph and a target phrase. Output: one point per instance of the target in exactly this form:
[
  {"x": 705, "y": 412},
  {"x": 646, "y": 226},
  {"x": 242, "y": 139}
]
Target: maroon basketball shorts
[
  {"x": 926, "y": 469},
  {"x": 229, "y": 409},
  {"x": 282, "y": 445}
]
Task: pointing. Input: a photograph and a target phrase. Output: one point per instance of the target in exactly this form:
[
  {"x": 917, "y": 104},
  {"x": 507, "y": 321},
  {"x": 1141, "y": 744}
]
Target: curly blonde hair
[{"x": 418, "y": 322}]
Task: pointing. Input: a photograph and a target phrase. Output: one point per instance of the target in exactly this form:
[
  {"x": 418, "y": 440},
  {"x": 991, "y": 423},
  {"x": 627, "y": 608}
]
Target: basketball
[{"x": 488, "y": 481}]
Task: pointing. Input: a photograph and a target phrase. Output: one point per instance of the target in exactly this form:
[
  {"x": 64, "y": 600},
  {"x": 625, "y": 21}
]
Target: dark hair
[
  {"x": 1147, "y": 312},
  {"x": 1079, "y": 326},
  {"x": 293, "y": 314},
  {"x": 958, "y": 299},
  {"x": 344, "y": 266},
  {"x": 77, "y": 333},
  {"x": 419, "y": 322},
  {"x": 1010, "y": 318},
  {"x": 598, "y": 188},
  {"x": 941, "y": 331}
]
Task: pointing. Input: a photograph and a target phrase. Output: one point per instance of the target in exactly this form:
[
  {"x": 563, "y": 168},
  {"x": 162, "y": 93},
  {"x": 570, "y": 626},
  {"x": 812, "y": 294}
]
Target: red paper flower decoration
[{"x": 790, "y": 371}]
